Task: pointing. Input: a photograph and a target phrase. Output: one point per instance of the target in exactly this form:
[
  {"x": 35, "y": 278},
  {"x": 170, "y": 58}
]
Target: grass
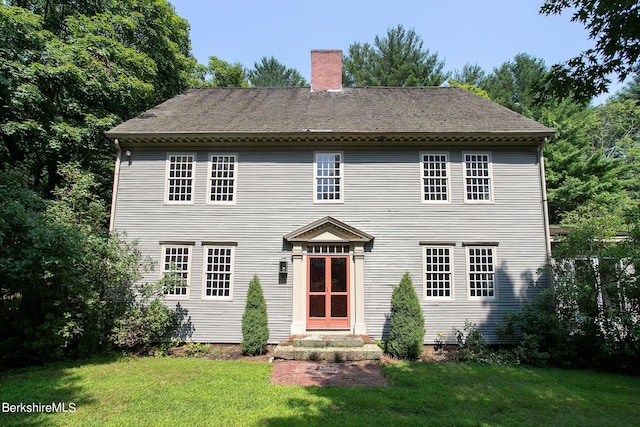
[{"x": 165, "y": 391}]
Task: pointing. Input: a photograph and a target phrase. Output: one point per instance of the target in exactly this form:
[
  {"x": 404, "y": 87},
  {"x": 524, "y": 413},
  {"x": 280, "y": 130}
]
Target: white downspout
[
  {"x": 116, "y": 179},
  {"x": 545, "y": 208}
]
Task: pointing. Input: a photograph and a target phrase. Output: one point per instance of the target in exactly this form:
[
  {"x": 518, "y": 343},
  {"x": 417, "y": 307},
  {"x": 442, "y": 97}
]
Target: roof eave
[{"x": 313, "y": 137}]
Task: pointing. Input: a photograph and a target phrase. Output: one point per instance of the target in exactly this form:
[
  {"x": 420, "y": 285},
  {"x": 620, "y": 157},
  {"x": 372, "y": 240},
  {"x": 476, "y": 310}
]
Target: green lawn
[{"x": 164, "y": 391}]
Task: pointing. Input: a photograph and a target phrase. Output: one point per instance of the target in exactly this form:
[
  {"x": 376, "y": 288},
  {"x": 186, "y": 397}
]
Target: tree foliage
[
  {"x": 271, "y": 73},
  {"x": 590, "y": 319},
  {"x": 406, "y": 334},
  {"x": 615, "y": 29},
  {"x": 255, "y": 325},
  {"x": 70, "y": 70},
  {"x": 220, "y": 73},
  {"x": 65, "y": 281},
  {"x": 398, "y": 59},
  {"x": 471, "y": 88},
  {"x": 516, "y": 84},
  {"x": 470, "y": 75},
  {"x": 594, "y": 157}
]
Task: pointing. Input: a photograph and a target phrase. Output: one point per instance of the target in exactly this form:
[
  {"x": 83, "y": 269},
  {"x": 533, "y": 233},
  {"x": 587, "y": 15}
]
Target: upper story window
[
  {"x": 328, "y": 173},
  {"x": 435, "y": 177},
  {"x": 180, "y": 174},
  {"x": 223, "y": 170},
  {"x": 481, "y": 271},
  {"x": 477, "y": 174},
  {"x": 176, "y": 265},
  {"x": 438, "y": 272},
  {"x": 218, "y": 272}
]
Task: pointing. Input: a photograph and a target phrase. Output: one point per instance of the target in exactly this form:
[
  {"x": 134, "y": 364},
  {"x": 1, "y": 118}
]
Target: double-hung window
[
  {"x": 218, "y": 272},
  {"x": 180, "y": 178},
  {"x": 223, "y": 171},
  {"x": 481, "y": 262},
  {"x": 477, "y": 175},
  {"x": 435, "y": 177},
  {"x": 328, "y": 174},
  {"x": 176, "y": 265},
  {"x": 438, "y": 272}
]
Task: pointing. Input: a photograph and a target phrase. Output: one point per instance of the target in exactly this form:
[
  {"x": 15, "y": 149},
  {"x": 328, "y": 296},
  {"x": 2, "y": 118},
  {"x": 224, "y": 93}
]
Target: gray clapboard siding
[{"x": 382, "y": 197}]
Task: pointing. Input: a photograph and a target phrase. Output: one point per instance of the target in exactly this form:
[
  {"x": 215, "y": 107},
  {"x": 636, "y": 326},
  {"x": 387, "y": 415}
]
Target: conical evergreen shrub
[
  {"x": 255, "y": 327},
  {"x": 406, "y": 336}
]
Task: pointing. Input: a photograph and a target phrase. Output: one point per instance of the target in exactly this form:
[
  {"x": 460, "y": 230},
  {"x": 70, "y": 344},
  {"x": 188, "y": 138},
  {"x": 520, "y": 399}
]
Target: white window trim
[
  {"x": 162, "y": 270},
  {"x": 494, "y": 248},
  {"x": 206, "y": 247},
  {"x": 422, "y": 177},
  {"x": 315, "y": 178},
  {"x": 464, "y": 178},
  {"x": 235, "y": 179},
  {"x": 193, "y": 179},
  {"x": 451, "y": 248}
]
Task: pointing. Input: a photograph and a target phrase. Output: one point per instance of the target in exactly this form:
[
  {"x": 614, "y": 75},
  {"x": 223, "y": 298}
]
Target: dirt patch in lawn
[
  {"x": 223, "y": 352},
  {"x": 295, "y": 372}
]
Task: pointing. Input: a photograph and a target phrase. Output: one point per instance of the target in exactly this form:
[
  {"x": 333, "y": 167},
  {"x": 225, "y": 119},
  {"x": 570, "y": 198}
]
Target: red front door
[{"x": 328, "y": 292}]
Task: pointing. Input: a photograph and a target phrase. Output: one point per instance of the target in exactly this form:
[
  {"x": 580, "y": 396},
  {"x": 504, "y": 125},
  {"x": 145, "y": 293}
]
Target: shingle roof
[{"x": 373, "y": 110}]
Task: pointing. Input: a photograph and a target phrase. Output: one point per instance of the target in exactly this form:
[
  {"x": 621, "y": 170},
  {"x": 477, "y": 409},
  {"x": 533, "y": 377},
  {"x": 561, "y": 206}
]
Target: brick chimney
[{"x": 326, "y": 70}]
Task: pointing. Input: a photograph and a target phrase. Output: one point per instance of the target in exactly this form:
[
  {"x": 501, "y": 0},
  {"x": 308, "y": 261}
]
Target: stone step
[
  {"x": 321, "y": 341},
  {"x": 328, "y": 354}
]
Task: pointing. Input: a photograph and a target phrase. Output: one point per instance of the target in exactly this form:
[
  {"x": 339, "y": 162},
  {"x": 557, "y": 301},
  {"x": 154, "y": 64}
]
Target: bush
[
  {"x": 64, "y": 279},
  {"x": 406, "y": 336},
  {"x": 144, "y": 325},
  {"x": 255, "y": 327},
  {"x": 472, "y": 347}
]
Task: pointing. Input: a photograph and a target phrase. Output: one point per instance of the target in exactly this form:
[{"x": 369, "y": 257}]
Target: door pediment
[{"x": 325, "y": 230}]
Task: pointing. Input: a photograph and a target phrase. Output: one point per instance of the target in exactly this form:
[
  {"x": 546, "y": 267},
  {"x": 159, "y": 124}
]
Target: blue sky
[{"x": 486, "y": 33}]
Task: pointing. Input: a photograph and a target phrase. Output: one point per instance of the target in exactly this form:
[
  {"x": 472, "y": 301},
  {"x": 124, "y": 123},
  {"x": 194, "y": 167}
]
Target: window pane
[
  {"x": 316, "y": 306},
  {"x": 338, "y": 306},
  {"x": 477, "y": 177},
  {"x": 481, "y": 272},
  {"x": 317, "y": 275},
  {"x": 338, "y": 275},
  {"x": 222, "y": 178},
  {"x": 176, "y": 266},
  {"x": 438, "y": 272},
  {"x": 218, "y": 272},
  {"x": 435, "y": 179},
  {"x": 327, "y": 175},
  {"x": 180, "y": 178}
]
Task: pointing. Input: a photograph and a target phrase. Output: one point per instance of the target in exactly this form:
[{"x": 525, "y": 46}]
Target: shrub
[
  {"x": 255, "y": 327},
  {"x": 192, "y": 349},
  {"x": 144, "y": 325},
  {"x": 64, "y": 279},
  {"x": 406, "y": 335},
  {"x": 472, "y": 347}
]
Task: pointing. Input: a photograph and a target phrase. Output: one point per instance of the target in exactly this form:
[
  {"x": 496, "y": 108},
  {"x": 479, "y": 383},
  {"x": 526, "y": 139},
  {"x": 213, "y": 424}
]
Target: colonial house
[{"x": 330, "y": 194}]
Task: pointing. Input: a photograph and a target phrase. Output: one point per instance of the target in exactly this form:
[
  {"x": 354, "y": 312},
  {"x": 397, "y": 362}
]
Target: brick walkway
[{"x": 293, "y": 372}]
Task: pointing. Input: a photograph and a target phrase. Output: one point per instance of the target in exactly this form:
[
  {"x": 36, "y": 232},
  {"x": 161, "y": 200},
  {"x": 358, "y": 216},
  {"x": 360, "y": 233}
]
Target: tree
[
  {"x": 516, "y": 84},
  {"x": 64, "y": 280},
  {"x": 219, "y": 73},
  {"x": 471, "y": 88},
  {"x": 70, "y": 70},
  {"x": 398, "y": 59},
  {"x": 596, "y": 156},
  {"x": 615, "y": 28},
  {"x": 271, "y": 73},
  {"x": 406, "y": 335},
  {"x": 631, "y": 91},
  {"x": 255, "y": 327},
  {"x": 596, "y": 295},
  {"x": 470, "y": 75}
]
